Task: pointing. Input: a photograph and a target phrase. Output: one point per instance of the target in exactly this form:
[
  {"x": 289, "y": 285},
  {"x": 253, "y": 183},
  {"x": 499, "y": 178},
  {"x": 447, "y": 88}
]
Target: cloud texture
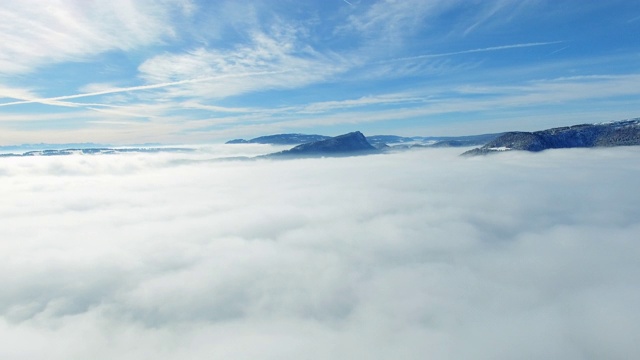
[
  {"x": 409, "y": 255},
  {"x": 39, "y": 33}
]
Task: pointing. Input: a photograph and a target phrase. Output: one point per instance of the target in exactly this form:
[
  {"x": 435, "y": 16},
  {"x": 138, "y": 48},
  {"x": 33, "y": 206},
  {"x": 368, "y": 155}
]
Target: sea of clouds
[{"x": 413, "y": 255}]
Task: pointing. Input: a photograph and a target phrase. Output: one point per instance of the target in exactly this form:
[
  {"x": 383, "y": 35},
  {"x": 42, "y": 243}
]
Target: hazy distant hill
[
  {"x": 390, "y": 139},
  {"x": 281, "y": 139},
  {"x": 618, "y": 133},
  {"x": 354, "y": 143},
  {"x": 95, "y": 151},
  {"x": 460, "y": 141},
  {"x": 42, "y": 146}
]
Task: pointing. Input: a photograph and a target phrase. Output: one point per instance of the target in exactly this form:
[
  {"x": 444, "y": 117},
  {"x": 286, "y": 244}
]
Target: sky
[
  {"x": 169, "y": 256},
  {"x": 192, "y": 71}
]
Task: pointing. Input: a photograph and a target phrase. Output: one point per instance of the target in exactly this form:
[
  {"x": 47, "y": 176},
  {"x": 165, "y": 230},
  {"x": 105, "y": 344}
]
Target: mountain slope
[
  {"x": 354, "y": 143},
  {"x": 619, "y": 133},
  {"x": 378, "y": 141}
]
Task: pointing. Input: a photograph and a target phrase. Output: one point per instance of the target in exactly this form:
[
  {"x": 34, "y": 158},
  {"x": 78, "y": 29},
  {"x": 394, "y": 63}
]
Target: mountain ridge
[
  {"x": 374, "y": 140},
  {"x": 95, "y": 151},
  {"x": 281, "y": 139},
  {"x": 609, "y": 134},
  {"x": 353, "y": 143}
]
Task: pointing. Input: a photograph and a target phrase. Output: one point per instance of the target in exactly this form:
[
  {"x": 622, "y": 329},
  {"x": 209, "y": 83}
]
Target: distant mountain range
[
  {"x": 94, "y": 151},
  {"x": 378, "y": 141},
  {"x": 355, "y": 143},
  {"x": 87, "y": 145},
  {"x": 615, "y": 133},
  {"x": 281, "y": 139}
]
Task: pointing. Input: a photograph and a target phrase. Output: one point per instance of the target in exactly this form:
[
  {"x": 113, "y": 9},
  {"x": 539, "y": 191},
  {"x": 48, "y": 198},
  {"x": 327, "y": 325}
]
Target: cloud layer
[{"x": 394, "y": 256}]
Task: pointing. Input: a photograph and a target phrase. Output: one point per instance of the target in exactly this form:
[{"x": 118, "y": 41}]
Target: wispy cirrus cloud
[
  {"x": 389, "y": 19},
  {"x": 279, "y": 55},
  {"x": 270, "y": 61},
  {"x": 469, "y": 103},
  {"x": 27, "y": 97},
  {"x": 287, "y": 71},
  {"x": 471, "y": 51},
  {"x": 396, "y": 22},
  {"x": 16, "y": 93},
  {"x": 488, "y": 13},
  {"x": 38, "y": 33},
  {"x": 466, "y": 101},
  {"x": 55, "y": 100}
]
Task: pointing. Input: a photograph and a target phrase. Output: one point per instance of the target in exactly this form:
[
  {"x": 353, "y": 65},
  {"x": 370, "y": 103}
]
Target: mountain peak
[{"x": 347, "y": 144}]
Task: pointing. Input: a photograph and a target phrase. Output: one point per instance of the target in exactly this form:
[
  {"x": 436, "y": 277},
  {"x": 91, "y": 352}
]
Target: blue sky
[{"x": 178, "y": 71}]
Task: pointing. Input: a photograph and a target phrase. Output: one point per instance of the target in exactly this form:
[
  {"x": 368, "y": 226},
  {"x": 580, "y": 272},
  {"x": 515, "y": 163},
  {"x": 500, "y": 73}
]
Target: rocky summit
[
  {"x": 354, "y": 143},
  {"x": 618, "y": 133}
]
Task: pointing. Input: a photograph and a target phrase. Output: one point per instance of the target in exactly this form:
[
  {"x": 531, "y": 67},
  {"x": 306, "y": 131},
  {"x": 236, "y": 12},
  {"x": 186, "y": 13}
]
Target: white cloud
[
  {"x": 116, "y": 90},
  {"x": 15, "y": 93},
  {"x": 394, "y": 22},
  {"x": 40, "y": 33},
  {"x": 386, "y": 99},
  {"x": 276, "y": 58},
  {"x": 465, "y": 100},
  {"x": 471, "y": 51},
  {"x": 518, "y": 256},
  {"x": 472, "y": 103},
  {"x": 393, "y": 19}
]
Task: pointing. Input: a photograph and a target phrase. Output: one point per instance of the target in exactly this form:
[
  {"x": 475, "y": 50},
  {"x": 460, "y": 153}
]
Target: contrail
[
  {"x": 487, "y": 49},
  {"x": 105, "y": 108},
  {"x": 557, "y": 51},
  {"x": 138, "y": 88},
  {"x": 348, "y": 2}
]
